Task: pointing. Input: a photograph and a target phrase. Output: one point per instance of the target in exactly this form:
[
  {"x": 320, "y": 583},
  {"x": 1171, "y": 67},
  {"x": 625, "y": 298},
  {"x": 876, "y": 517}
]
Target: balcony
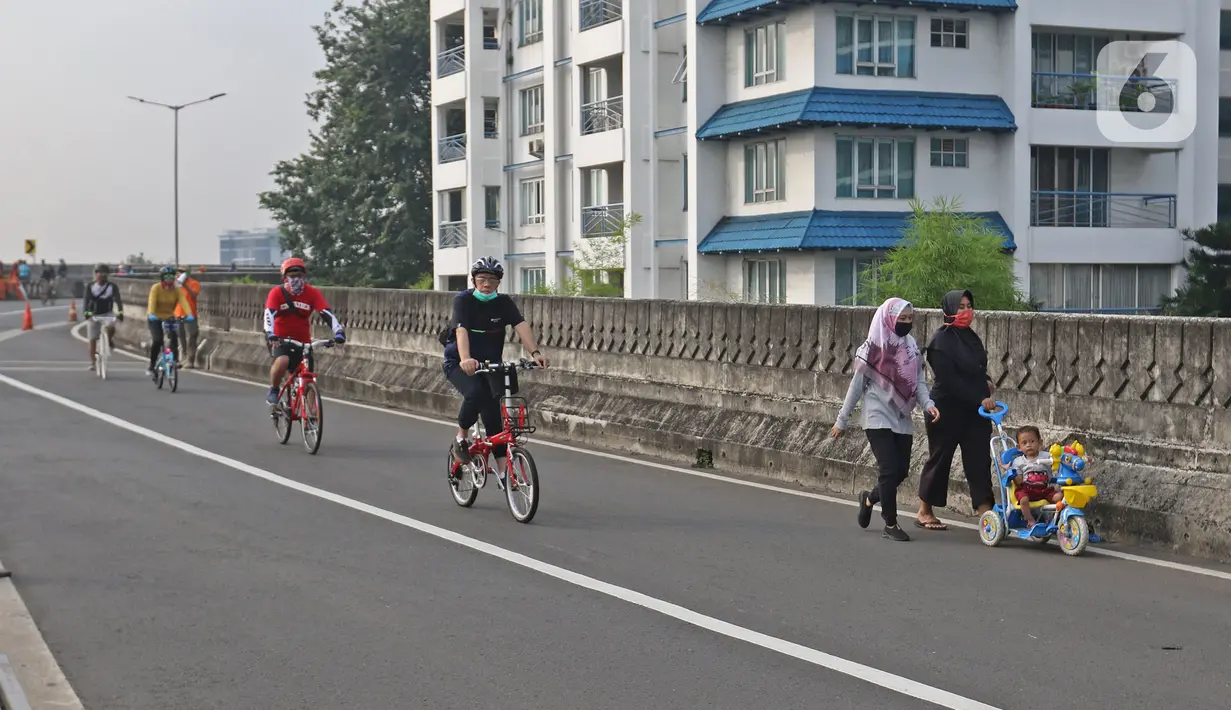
[
  {"x": 595, "y": 13},
  {"x": 605, "y": 115},
  {"x": 450, "y": 62},
  {"x": 452, "y": 235},
  {"x": 602, "y": 220},
  {"x": 1116, "y": 210},
  {"x": 1080, "y": 92},
  {"x": 453, "y": 148}
]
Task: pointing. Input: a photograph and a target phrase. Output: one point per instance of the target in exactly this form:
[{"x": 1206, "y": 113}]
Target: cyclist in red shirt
[{"x": 288, "y": 312}]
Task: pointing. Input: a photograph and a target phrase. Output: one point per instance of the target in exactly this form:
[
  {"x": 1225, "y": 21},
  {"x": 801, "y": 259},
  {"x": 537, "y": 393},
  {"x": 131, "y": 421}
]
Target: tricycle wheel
[
  {"x": 1074, "y": 535},
  {"x": 991, "y": 528}
]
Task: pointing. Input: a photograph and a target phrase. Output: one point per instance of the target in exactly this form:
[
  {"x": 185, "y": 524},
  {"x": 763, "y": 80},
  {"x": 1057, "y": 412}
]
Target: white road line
[
  {"x": 34, "y": 310},
  {"x": 1126, "y": 556},
  {"x": 884, "y": 679}
]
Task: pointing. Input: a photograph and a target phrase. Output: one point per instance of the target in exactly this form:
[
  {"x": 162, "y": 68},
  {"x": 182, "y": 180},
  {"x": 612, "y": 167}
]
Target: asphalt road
[{"x": 166, "y": 578}]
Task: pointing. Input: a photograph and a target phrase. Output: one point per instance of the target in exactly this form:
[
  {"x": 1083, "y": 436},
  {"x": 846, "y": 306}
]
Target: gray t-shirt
[{"x": 879, "y": 411}]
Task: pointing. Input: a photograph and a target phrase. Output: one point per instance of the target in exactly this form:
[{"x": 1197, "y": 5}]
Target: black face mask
[{"x": 902, "y": 329}]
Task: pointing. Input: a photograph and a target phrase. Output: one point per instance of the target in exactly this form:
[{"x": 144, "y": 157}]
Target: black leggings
[
  {"x": 963, "y": 428},
  {"x": 156, "y": 342},
  {"x": 892, "y": 452},
  {"x": 478, "y": 401}
]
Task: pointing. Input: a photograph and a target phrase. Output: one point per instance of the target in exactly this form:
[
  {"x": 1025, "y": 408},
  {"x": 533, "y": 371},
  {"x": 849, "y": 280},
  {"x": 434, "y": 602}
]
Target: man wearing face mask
[
  {"x": 288, "y": 313},
  {"x": 480, "y": 315}
]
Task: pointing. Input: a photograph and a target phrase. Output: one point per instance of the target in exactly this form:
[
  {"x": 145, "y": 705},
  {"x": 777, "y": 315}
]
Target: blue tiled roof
[
  {"x": 726, "y": 11},
  {"x": 821, "y": 106},
  {"x": 819, "y": 229}
]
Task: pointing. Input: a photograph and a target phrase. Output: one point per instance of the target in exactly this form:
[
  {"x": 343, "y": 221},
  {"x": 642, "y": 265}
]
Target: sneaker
[
  {"x": 461, "y": 451},
  {"x": 271, "y": 397},
  {"x": 92, "y": 366},
  {"x": 895, "y": 533},
  {"x": 149, "y": 372}
]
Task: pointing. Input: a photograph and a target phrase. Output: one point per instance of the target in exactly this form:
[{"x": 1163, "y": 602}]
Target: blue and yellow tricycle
[{"x": 1066, "y": 520}]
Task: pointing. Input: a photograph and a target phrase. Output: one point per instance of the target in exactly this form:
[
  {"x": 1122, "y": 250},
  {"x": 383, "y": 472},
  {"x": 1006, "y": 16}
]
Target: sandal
[{"x": 931, "y": 525}]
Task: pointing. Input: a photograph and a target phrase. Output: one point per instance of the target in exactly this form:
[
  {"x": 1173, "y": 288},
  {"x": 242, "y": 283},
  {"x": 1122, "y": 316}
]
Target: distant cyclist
[
  {"x": 288, "y": 314},
  {"x": 480, "y": 315},
  {"x": 164, "y": 296},
  {"x": 23, "y": 276},
  {"x": 102, "y": 298}
]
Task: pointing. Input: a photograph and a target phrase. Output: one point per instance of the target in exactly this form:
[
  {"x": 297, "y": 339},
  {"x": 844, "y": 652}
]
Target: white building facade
[{"x": 770, "y": 147}]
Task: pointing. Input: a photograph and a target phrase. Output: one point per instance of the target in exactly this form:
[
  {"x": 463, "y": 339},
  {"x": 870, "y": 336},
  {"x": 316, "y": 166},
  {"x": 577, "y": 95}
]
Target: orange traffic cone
[
  {"x": 72, "y": 311},
  {"x": 27, "y": 323}
]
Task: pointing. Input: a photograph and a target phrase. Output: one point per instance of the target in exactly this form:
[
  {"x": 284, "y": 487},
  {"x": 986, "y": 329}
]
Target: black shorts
[{"x": 294, "y": 355}]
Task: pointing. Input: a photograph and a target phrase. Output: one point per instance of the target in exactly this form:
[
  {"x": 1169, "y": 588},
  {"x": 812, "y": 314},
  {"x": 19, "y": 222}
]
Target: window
[
  {"x": 949, "y": 152},
  {"x": 532, "y": 203},
  {"x": 1101, "y": 287},
  {"x": 491, "y": 206},
  {"x": 681, "y": 74},
  {"x": 881, "y": 168},
  {"x": 765, "y": 171},
  {"x": 491, "y": 119},
  {"x": 950, "y": 33},
  {"x": 849, "y": 277},
  {"x": 1224, "y": 39},
  {"x": 532, "y": 110},
  {"x": 533, "y": 279},
  {"x": 765, "y": 54},
  {"x": 686, "y": 181},
  {"x": 1224, "y": 117},
  {"x": 765, "y": 281},
  {"x": 877, "y": 45},
  {"x": 531, "y": 21},
  {"x": 1069, "y": 188},
  {"x": 1224, "y": 202}
]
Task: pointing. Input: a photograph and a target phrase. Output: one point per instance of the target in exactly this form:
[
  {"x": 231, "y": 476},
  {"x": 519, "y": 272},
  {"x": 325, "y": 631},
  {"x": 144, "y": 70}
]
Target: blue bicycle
[{"x": 167, "y": 369}]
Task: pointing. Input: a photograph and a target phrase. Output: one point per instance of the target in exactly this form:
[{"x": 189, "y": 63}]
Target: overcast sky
[{"x": 88, "y": 173}]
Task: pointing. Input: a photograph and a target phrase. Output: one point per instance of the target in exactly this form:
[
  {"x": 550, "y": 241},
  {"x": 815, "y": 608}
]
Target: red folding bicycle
[
  {"x": 300, "y": 400},
  {"x": 520, "y": 479}
]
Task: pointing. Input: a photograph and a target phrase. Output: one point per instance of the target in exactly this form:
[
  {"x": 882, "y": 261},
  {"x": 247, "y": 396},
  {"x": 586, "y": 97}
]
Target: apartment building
[{"x": 770, "y": 147}]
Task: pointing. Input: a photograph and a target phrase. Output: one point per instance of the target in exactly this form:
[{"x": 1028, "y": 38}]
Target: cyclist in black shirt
[
  {"x": 480, "y": 316},
  {"x": 102, "y": 298}
]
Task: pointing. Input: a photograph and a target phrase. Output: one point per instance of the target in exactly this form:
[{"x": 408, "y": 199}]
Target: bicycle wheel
[
  {"x": 281, "y": 414},
  {"x": 173, "y": 375},
  {"x": 101, "y": 351},
  {"x": 312, "y": 418},
  {"x": 160, "y": 374},
  {"x": 522, "y": 486},
  {"x": 461, "y": 483}
]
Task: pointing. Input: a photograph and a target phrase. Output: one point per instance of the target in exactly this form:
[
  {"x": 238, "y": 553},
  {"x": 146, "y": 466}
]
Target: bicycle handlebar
[
  {"x": 323, "y": 342},
  {"x": 522, "y": 364}
]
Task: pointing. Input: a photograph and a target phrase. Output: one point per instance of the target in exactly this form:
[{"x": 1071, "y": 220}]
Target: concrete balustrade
[{"x": 754, "y": 389}]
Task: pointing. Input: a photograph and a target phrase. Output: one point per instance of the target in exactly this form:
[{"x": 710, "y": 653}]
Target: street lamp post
[{"x": 175, "y": 108}]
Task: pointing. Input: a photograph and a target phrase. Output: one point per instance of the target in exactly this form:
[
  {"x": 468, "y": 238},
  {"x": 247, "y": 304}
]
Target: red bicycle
[
  {"x": 520, "y": 479},
  {"x": 300, "y": 400}
]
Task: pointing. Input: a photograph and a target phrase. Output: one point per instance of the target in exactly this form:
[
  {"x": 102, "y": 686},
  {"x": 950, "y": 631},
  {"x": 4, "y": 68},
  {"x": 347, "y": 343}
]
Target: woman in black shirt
[{"x": 959, "y": 367}]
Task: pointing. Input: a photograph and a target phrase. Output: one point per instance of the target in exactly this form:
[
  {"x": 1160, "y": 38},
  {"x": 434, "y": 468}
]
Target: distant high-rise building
[{"x": 256, "y": 247}]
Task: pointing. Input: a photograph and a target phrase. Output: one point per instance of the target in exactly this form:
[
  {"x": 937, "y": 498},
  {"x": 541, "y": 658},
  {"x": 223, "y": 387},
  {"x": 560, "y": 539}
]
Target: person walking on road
[
  {"x": 960, "y": 386},
  {"x": 192, "y": 331},
  {"x": 889, "y": 379}
]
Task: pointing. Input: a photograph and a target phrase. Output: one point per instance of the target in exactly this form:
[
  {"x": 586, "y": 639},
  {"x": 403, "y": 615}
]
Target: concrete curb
[
  {"x": 30, "y": 677},
  {"x": 12, "y": 697}
]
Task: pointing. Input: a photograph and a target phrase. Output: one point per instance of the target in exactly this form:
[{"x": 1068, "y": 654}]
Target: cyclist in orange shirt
[{"x": 192, "y": 289}]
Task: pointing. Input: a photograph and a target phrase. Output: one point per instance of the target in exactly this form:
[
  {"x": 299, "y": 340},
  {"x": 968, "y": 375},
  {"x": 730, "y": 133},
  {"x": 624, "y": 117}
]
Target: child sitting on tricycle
[{"x": 1054, "y": 485}]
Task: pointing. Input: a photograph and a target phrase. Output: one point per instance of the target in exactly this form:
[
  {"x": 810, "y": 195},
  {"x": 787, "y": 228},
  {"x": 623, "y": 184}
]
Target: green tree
[
  {"x": 358, "y": 203},
  {"x": 137, "y": 260},
  {"x": 1207, "y": 291},
  {"x": 942, "y": 249}
]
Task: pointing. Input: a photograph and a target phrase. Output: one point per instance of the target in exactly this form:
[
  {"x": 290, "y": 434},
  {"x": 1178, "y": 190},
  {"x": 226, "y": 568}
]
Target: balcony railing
[
  {"x": 453, "y": 148},
  {"x": 602, "y": 220},
  {"x": 599, "y": 116},
  {"x": 490, "y": 41},
  {"x": 1080, "y": 91},
  {"x": 600, "y": 12},
  {"x": 451, "y": 61},
  {"x": 452, "y": 234},
  {"x": 490, "y": 128},
  {"x": 1115, "y": 210}
]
